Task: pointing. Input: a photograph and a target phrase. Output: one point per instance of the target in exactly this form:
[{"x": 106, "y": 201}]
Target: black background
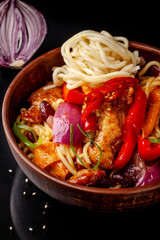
[{"x": 136, "y": 21}]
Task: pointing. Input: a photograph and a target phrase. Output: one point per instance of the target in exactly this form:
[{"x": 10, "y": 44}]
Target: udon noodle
[{"x": 92, "y": 58}]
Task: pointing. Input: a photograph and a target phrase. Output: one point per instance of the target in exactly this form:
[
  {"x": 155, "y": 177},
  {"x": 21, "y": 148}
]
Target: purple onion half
[{"x": 22, "y": 31}]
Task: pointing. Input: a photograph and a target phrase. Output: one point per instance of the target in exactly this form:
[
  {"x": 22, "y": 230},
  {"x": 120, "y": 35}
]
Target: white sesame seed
[
  {"x": 46, "y": 205},
  {"x": 10, "y": 228},
  {"x": 24, "y": 193},
  {"x": 10, "y": 170},
  {"x": 44, "y": 227},
  {"x": 34, "y": 193},
  {"x": 30, "y": 229},
  {"x": 26, "y": 180}
]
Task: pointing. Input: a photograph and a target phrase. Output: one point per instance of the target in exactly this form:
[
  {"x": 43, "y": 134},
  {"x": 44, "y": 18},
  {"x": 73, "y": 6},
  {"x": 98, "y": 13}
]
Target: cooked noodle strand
[{"x": 92, "y": 58}]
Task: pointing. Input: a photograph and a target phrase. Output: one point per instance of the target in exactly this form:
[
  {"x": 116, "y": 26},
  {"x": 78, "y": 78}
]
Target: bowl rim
[{"x": 12, "y": 141}]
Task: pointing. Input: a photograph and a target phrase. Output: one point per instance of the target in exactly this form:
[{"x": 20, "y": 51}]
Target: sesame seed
[
  {"x": 46, "y": 205},
  {"x": 30, "y": 229},
  {"x": 26, "y": 180},
  {"x": 24, "y": 193},
  {"x": 10, "y": 170},
  {"x": 34, "y": 193},
  {"x": 44, "y": 227},
  {"x": 10, "y": 228}
]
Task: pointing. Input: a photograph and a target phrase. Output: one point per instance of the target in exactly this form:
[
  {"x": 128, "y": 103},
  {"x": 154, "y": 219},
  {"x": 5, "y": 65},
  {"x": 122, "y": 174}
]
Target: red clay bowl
[{"x": 30, "y": 78}]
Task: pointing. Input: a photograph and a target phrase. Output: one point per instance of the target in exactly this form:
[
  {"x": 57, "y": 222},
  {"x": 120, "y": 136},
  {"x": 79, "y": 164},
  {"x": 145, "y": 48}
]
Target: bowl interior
[{"x": 33, "y": 76}]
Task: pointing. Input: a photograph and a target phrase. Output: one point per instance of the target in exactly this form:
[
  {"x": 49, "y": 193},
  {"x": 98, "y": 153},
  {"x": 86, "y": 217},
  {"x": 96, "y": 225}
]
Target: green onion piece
[
  {"x": 154, "y": 140},
  {"x": 16, "y": 129},
  {"x": 71, "y": 142},
  {"x": 25, "y": 127}
]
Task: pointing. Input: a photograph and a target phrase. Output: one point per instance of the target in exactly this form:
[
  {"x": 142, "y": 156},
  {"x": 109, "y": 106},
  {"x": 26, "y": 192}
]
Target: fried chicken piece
[
  {"x": 33, "y": 114},
  {"x": 88, "y": 177},
  {"x": 109, "y": 134}
]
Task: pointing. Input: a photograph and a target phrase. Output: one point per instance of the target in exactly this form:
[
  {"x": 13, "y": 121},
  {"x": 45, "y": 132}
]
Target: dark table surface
[{"x": 25, "y": 211}]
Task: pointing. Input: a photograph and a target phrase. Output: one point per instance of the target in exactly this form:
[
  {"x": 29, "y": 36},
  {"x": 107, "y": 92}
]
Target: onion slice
[
  {"x": 22, "y": 31},
  {"x": 151, "y": 176},
  {"x": 65, "y": 115}
]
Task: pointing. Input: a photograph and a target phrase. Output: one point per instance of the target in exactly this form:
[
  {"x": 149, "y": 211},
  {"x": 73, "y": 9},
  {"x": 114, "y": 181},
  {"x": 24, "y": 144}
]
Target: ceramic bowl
[{"x": 30, "y": 78}]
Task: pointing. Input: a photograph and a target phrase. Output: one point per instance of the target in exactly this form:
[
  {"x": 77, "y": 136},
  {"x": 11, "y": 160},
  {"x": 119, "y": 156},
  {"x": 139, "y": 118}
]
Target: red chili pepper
[
  {"x": 93, "y": 106},
  {"x": 147, "y": 151},
  {"x": 131, "y": 128},
  {"x": 90, "y": 123},
  {"x": 74, "y": 96},
  {"x": 112, "y": 89}
]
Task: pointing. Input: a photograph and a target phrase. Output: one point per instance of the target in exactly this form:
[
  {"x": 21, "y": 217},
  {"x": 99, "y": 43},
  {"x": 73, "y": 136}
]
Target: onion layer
[
  {"x": 22, "y": 31},
  {"x": 151, "y": 176},
  {"x": 65, "y": 115}
]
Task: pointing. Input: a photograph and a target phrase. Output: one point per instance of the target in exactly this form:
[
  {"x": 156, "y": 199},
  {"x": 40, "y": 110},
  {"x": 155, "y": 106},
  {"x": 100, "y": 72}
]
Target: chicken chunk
[
  {"x": 50, "y": 95},
  {"x": 108, "y": 137},
  {"x": 88, "y": 177},
  {"x": 33, "y": 114},
  {"x": 109, "y": 134}
]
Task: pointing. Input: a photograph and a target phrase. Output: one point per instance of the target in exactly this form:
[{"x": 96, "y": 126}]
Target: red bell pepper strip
[
  {"x": 147, "y": 151},
  {"x": 129, "y": 143},
  {"x": 74, "y": 95},
  {"x": 131, "y": 128}
]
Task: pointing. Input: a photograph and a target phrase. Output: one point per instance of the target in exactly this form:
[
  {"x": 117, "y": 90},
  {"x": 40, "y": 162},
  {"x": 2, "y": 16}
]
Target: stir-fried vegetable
[
  {"x": 90, "y": 123},
  {"x": 132, "y": 127},
  {"x": 152, "y": 112},
  {"x": 147, "y": 151},
  {"x": 74, "y": 95},
  {"x": 151, "y": 176},
  {"x": 16, "y": 129},
  {"x": 66, "y": 114}
]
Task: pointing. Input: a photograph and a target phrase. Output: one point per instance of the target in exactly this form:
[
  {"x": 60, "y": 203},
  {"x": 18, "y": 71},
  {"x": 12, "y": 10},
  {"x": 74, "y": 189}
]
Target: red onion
[
  {"x": 22, "y": 31},
  {"x": 65, "y": 115},
  {"x": 151, "y": 176},
  {"x": 131, "y": 173}
]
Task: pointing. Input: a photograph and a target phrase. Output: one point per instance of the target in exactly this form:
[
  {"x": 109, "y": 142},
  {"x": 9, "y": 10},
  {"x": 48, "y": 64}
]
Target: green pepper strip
[
  {"x": 71, "y": 142},
  {"x": 16, "y": 129}
]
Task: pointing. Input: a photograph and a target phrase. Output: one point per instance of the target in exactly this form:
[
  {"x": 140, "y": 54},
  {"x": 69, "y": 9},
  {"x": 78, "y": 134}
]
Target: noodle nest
[{"x": 92, "y": 58}]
